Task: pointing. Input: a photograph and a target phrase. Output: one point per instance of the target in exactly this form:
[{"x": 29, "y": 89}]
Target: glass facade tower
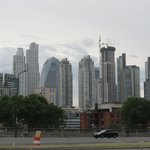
[{"x": 50, "y": 79}]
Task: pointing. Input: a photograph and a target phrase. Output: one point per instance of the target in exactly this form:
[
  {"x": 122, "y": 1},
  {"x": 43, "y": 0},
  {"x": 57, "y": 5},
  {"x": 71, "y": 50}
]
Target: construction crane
[{"x": 99, "y": 42}]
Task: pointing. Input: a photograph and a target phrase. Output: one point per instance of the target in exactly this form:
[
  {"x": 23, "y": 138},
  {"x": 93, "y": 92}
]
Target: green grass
[{"x": 79, "y": 146}]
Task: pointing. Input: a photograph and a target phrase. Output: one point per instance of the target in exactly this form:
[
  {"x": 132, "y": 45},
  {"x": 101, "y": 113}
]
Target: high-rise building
[
  {"x": 128, "y": 79},
  {"x": 95, "y": 90},
  {"x": 147, "y": 80},
  {"x": 108, "y": 84},
  {"x": 1, "y": 80},
  {"x": 49, "y": 80},
  {"x": 65, "y": 70},
  {"x": 33, "y": 75},
  {"x": 10, "y": 86},
  {"x": 19, "y": 70},
  {"x": 87, "y": 80},
  {"x": 121, "y": 64},
  {"x": 48, "y": 93},
  {"x": 129, "y": 82},
  {"x": 1, "y": 83}
]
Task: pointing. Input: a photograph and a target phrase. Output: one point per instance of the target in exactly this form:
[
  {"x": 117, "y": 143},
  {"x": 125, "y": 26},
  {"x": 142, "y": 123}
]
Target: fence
[{"x": 51, "y": 132}]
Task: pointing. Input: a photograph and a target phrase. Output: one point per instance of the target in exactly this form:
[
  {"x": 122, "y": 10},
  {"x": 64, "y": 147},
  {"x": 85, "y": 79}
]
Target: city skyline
[
  {"x": 71, "y": 29},
  {"x": 79, "y": 63}
]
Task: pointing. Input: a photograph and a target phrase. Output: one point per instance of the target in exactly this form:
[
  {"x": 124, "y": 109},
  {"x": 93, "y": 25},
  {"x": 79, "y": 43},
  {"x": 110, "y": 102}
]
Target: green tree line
[
  {"x": 136, "y": 113},
  {"x": 36, "y": 112},
  {"x": 33, "y": 110}
]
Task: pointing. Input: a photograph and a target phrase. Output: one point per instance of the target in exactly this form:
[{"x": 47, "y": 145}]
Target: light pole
[{"x": 16, "y": 109}]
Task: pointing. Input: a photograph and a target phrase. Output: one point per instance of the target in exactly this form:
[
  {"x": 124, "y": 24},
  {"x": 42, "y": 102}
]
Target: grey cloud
[
  {"x": 76, "y": 47},
  {"x": 72, "y": 50},
  {"x": 45, "y": 48},
  {"x": 6, "y": 49},
  {"x": 5, "y": 42},
  {"x": 6, "y": 69},
  {"x": 133, "y": 56},
  {"x": 96, "y": 60},
  {"x": 30, "y": 36},
  {"x": 6, "y": 59},
  {"x": 88, "y": 43},
  {"x": 46, "y": 51},
  {"x": 74, "y": 56}
]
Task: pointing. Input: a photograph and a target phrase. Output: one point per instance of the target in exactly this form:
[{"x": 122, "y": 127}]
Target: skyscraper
[
  {"x": 1, "y": 83},
  {"x": 95, "y": 90},
  {"x": 50, "y": 79},
  {"x": 10, "y": 87},
  {"x": 128, "y": 79},
  {"x": 147, "y": 80},
  {"x": 108, "y": 84},
  {"x": 1, "y": 80},
  {"x": 19, "y": 65},
  {"x": 129, "y": 82},
  {"x": 65, "y": 70},
  {"x": 88, "y": 78},
  {"x": 33, "y": 75},
  {"x": 121, "y": 64}
]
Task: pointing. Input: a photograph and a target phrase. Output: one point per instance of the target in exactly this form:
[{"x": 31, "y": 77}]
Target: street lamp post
[{"x": 16, "y": 117}]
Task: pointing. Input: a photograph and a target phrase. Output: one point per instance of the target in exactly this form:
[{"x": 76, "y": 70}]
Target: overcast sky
[{"x": 71, "y": 28}]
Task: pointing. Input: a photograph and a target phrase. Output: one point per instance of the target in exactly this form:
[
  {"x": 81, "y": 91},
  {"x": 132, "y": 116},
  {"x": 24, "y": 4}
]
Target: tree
[
  {"x": 115, "y": 126},
  {"x": 38, "y": 113},
  {"x": 136, "y": 113},
  {"x": 32, "y": 110},
  {"x": 55, "y": 115},
  {"x": 6, "y": 115}
]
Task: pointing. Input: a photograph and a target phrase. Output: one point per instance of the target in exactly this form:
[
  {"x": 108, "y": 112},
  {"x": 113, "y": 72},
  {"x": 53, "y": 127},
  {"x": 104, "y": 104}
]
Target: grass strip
[{"x": 80, "y": 146}]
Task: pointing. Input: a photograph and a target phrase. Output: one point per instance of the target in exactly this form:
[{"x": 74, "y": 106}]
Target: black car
[{"x": 106, "y": 133}]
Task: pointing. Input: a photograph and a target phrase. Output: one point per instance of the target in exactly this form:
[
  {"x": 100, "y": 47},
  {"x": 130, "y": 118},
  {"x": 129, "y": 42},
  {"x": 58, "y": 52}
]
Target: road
[{"x": 59, "y": 141}]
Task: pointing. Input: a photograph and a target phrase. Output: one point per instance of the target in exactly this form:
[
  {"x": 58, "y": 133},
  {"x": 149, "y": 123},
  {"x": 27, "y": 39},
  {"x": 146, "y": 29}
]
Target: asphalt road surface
[{"x": 59, "y": 141}]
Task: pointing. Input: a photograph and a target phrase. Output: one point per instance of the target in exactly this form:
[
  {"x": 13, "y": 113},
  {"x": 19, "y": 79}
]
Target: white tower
[
  {"x": 33, "y": 75},
  {"x": 88, "y": 79},
  {"x": 65, "y": 70},
  {"x": 19, "y": 66}
]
